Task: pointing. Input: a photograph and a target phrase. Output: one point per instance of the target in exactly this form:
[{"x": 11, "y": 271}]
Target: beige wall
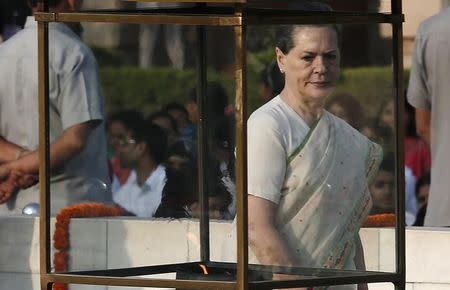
[{"x": 415, "y": 12}]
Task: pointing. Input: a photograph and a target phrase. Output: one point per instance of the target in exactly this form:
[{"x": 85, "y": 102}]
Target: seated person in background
[
  {"x": 422, "y": 191},
  {"x": 271, "y": 82},
  {"x": 381, "y": 135},
  {"x": 417, "y": 152},
  {"x": 181, "y": 198},
  {"x": 382, "y": 187},
  {"x": 166, "y": 122},
  {"x": 178, "y": 159},
  {"x": 143, "y": 150},
  {"x": 385, "y": 116},
  {"x": 186, "y": 129},
  {"x": 368, "y": 129},
  {"x": 219, "y": 199},
  {"x": 179, "y": 191},
  {"x": 222, "y": 163},
  {"x": 346, "y": 107},
  {"x": 117, "y": 124},
  {"x": 410, "y": 197},
  {"x": 385, "y": 124}
]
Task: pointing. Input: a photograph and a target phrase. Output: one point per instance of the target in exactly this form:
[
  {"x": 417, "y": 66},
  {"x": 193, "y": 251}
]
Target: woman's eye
[
  {"x": 307, "y": 58},
  {"x": 331, "y": 56}
]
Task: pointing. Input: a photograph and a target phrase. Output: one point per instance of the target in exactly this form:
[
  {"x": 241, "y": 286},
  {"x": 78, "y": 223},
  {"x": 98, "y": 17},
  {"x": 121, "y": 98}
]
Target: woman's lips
[{"x": 321, "y": 84}]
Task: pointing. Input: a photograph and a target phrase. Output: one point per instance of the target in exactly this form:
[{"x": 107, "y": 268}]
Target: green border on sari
[{"x": 300, "y": 147}]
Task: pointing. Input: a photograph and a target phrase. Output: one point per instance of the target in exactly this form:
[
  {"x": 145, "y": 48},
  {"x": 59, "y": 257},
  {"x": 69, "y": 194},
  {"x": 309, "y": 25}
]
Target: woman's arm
[{"x": 265, "y": 240}]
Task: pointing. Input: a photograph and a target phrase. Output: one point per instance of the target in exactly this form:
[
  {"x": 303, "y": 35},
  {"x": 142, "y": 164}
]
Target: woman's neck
[
  {"x": 309, "y": 110},
  {"x": 144, "y": 169}
]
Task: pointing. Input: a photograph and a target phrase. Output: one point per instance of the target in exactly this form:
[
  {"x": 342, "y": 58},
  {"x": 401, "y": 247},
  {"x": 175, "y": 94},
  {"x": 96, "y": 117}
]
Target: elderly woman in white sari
[{"x": 307, "y": 169}]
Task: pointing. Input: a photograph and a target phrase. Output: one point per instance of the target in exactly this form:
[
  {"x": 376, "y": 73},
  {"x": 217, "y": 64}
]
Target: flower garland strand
[
  {"x": 61, "y": 241},
  {"x": 380, "y": 220}
]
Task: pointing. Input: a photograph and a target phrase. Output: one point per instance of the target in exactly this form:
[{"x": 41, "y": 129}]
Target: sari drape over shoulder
[{"x": 325, "y": 197}]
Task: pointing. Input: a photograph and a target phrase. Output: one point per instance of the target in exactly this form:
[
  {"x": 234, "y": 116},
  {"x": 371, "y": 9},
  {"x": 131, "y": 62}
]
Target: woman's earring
[{"x": 281, "y": 71}]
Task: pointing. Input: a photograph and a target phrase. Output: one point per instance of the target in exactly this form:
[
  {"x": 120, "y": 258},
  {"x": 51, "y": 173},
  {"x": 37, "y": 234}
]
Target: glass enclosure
[{"x": 199, "y": 166}]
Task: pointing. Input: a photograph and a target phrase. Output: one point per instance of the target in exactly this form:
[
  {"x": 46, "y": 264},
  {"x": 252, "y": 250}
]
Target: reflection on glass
[{"x": 151, "y": 126}]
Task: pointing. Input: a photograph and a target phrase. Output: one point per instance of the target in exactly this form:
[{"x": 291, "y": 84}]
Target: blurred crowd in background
[{"x": 158, "y": 152}]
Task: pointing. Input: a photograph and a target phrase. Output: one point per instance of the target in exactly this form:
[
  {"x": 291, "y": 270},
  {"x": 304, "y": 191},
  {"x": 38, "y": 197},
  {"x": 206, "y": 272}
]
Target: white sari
[{"x": 325, "y": 197}]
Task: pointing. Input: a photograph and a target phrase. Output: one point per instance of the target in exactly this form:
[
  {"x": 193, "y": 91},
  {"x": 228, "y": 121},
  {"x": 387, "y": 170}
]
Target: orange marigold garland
[
  {"x": 380, "y": 220},
  {"x": 61, "y": 241}
]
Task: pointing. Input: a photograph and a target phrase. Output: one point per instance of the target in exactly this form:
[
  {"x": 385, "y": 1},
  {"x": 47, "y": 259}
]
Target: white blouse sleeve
[{"x": 266, "y": 158}]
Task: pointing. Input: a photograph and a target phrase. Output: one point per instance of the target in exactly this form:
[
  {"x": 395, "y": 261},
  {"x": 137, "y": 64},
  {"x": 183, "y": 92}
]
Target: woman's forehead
[{"x": 310, "y": 36}]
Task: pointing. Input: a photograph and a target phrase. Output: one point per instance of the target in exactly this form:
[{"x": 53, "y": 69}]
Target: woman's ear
[{"x": 281, "y": 59}]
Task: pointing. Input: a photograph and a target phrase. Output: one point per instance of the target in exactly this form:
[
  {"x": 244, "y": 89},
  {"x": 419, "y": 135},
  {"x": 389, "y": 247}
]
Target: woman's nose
[{"x": 320, "y": 65}]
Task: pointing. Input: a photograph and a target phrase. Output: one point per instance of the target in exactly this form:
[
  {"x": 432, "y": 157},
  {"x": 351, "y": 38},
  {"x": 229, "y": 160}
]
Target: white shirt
[
  {"x": 428, "y": 89},
  {"x": 275, "y": 130},
  {"x": 75, "y": 97},
  {"x": 143, "y": 201},
  {"x": 410, "y": 197}
]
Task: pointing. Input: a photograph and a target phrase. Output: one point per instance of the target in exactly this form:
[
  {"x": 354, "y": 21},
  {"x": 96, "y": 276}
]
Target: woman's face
[
  {"x": 382, "y": 190},
  {"x": 311, "y": 67},
  {"x": 339, "y": 111},
  {"x": 387, "y": 114}
]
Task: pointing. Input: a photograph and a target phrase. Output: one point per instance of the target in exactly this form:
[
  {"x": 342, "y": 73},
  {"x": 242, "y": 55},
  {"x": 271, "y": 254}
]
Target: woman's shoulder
[{"x": 269, "y": 114}]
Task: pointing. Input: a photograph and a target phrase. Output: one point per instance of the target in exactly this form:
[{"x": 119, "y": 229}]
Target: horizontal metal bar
[
  {"x": 326, "y": 281},
  {"x": 137, "y": 282},
  {"x": 192, "y": 1},
  {"x": 217, "y": 16},
  {"x": 135, "y": 271},
  {"x": 213, "y": 20},
  {"x": 270, "y": 16},
  {"x": 317, "y": 272},
  {"x": 111, "y": 279}
]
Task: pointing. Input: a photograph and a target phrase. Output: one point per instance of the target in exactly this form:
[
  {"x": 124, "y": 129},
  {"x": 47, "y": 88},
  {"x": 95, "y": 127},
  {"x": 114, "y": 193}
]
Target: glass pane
[
  {"x": 136, "y": 194},
  {"x": 147, "y": 208},
  {"x": 315, "y": 176}
]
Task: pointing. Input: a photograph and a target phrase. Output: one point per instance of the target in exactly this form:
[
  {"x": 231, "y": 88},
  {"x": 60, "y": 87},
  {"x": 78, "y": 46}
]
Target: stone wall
[{"x": 117, "y": 242}]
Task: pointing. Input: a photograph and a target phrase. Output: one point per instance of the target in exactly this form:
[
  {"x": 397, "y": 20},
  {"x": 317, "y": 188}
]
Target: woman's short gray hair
[
  {"x": 285, "y": 41},
  {"x": 285, "y": 34}
]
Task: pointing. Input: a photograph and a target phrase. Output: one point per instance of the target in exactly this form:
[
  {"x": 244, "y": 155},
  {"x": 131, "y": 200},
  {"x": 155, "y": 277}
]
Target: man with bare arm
[{"x": 78, "y": 163}]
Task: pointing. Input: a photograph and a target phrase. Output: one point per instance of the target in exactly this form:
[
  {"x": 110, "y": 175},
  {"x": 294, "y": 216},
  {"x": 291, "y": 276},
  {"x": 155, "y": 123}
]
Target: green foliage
[
  {"x": 148, "y": 90},
  {"x": 370, "y": 85}
]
